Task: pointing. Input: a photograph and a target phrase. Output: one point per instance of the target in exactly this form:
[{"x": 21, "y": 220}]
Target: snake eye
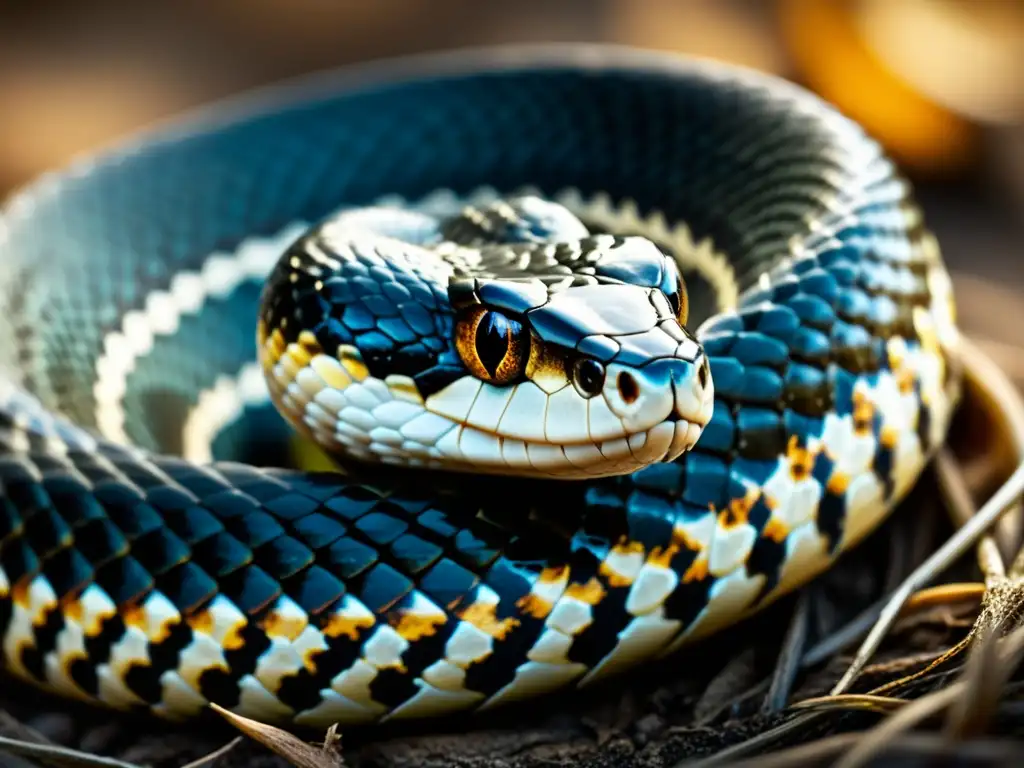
[
  {"x": 494, "y": 347},
  {"x": 680, "y": 304},
  {"x": 588, "y": 376}
]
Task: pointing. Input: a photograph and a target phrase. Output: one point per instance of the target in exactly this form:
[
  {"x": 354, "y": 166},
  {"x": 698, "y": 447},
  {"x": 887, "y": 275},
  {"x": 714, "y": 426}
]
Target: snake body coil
[{"x": 537, "y": 333}]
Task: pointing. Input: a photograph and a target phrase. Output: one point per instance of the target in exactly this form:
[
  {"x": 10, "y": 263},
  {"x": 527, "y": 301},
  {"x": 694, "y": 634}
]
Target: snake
[{"x": 453, "y": 381}]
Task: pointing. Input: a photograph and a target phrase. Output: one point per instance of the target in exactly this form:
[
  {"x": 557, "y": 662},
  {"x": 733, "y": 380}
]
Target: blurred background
[{"x": 939, "y": 82}]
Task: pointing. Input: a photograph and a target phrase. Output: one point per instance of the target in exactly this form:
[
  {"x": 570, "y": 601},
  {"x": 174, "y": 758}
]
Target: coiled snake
[{"x": 530, "y": 342}]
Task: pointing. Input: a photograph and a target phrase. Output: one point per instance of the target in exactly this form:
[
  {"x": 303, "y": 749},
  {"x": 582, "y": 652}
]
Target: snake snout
[
  {"x": 639, "y": 397},
  {"x": 694, "y": 392},
  {"x": 694, "y": 400},
  {"x": 666, "y": 394}
]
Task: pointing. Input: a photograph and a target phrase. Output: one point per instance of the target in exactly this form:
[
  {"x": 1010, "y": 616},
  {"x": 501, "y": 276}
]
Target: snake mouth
[
  {"x": 480, "y": 450},
  {"x": 664, "y": 442},
  {"x": 693, "y": 406},
  {"x": 685, "y": 435}
]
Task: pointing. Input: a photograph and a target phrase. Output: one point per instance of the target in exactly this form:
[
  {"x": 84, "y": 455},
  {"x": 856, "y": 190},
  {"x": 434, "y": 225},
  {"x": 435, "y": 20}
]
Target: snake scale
[{"x": 482, "y": 272}]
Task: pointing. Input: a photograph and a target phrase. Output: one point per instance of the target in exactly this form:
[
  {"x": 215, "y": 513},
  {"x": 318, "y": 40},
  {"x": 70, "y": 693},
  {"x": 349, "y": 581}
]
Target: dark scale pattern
[
  {"x": 45, "y": 638},
  {"x": 144, "y": 679},
  {"x": 400, "y": 320},
  {"x": 742, "y": 161},
  {"x": 609, "y": 616},
  {"x": 221, "y": 686}
]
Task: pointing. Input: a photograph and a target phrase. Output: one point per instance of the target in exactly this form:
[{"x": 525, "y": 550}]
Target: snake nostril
[
  {"x": 703, "y": 373},
  {"x": 628, "y": 388}
]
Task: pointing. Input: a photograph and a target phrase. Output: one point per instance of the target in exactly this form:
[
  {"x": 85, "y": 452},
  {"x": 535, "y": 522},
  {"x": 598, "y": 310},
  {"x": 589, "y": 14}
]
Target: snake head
[
  {"x": 554, "y": 359},
  {"x": 583, "y": 375}
]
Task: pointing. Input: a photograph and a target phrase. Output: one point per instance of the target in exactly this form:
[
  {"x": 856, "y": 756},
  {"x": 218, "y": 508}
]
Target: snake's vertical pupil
[
  {"x": 494, "y": 347},
  {"x": 493, "y": 337}
]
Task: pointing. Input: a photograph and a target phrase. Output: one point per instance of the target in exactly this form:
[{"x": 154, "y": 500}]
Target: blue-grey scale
[{"x": 425, "y": 575}]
